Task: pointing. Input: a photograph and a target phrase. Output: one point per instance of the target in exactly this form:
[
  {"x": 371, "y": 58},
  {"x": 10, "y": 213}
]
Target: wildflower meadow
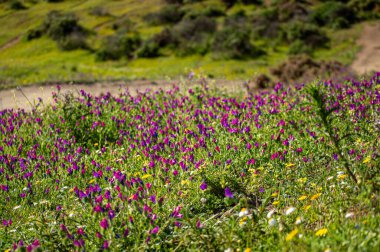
[{"x": 293, "y": 168}]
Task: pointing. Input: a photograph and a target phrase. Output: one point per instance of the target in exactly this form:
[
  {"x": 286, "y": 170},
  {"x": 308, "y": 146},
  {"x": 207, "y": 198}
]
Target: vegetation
[
  {"x": 122, "y": 35},
  {"x": 293, "y": 168}
]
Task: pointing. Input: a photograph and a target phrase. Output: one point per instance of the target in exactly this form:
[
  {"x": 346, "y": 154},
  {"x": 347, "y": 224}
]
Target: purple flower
[
  {"x": 155, "y": 230},
  {"x": 104, "y": 223},
  {"x": 203, "y": 186},
  {"x": 228, "y": 193}
]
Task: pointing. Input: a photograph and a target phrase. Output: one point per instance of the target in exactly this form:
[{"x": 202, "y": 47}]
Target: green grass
[{"x": 26, "y": 62}]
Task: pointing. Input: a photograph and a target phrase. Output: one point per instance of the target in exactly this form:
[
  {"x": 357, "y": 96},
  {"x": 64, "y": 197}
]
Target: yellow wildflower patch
[
  {"x": 316, "y": 196},
  {"x": 247, "y": 250},
  {"x": 342, "y": 176},
  {"x": 276, "y": 202},
  {"x": 303, "y": 197},
  {"x": 288, "y": 165},
  {"x": 306, "y": 207},
  {"x": 321, "y": 232},
  {"x": 274, "y": 194},
  {"x": 146, "y": 176},
  {"x": 291, "y": 235},
  {"x": 367, "y": 160}
]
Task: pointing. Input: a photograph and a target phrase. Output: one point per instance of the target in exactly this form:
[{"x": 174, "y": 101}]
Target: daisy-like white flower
[
  {"x": 298, "y": 220},
  {"x": 290, "y": 210},
  {"x": 16, "y": 207}
]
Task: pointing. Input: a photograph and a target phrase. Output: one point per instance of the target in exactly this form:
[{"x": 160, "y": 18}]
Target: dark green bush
[
  {"x": 299, "y": 47},
  {"x": 209, "y": 11},
  {"x": 365, "y": 9},
  {"x": 234, "y": 43},
  {"x": 149, "y": 49},
  {"x": 307, "y": 33},
  {"x": 169, "y": 14},
  {"x": 333, "y": 14},
  {"x": 17, "y": 5},
  {"x": 73, "y": 41},
  {"x": 64, "y": 28},
  {"x": 99, "y": 11},
  {"x": 117, "y": 46},
  {"x": 165, "y": 38},
  {"x": 265, "y": 23}
]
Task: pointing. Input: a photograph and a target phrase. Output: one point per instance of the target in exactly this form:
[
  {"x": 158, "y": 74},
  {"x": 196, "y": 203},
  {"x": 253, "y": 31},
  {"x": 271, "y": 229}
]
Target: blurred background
[{"x": 92, "y": 41}]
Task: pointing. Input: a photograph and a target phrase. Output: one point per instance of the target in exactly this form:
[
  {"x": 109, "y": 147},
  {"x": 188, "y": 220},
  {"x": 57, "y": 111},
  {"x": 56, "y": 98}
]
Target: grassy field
[
  {"x": 290, "y": 169},
  {"x": 24, "y": 62}
]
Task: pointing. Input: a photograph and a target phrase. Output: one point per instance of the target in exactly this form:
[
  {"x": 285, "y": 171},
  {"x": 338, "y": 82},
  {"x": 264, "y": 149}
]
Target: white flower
[
  {"x": 340, "y": 172},
  {"x": 272, "y": 222},
  {"x": 43, "y": 201},
  {"x": 290, "y": 210},
  {"x": 203, "y": 200},
  {"x": 243, "y": 212},
  {"x": 16, "y": 207},
  {"x": 228, "y": 250},
  {"x": 298, "y": 220},
  {"x": 349, "y": 215},
  {"x": 330, "y": 178},
  {"x": 270, "y": 213}
]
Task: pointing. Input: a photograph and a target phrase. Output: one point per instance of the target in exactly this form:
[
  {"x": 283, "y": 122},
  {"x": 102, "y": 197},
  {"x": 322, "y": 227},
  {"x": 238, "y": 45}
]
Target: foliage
[
  {"x": 337, "y": 15},
  {"x": 194, "y": 169},
  {"x": 117, "y": 46}
]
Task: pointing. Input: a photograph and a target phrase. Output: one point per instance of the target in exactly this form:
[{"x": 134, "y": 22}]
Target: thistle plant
[{"x": 326, "y": 118}]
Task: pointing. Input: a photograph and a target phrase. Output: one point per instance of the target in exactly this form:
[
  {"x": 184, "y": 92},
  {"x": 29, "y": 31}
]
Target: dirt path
[
  {"x": 27, "y": 96},
  {"x": 368, "y": 58},
  {"x": 10, "y": 43}
]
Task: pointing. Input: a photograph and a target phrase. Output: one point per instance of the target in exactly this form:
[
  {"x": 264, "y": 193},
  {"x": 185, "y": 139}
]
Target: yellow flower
[
  {"x": 274, "y": 194},
  {"x": 96, "y": 144},
  {"x": 342, "y": 176},
  {"x": 146, "y": 176},
  {"x": 303, "y": 197},
  {"x": 185, "y": 182},
  {"x": 91, "y": 181},
  {"x": 247, "y": 250},
  {"x": 289, "y": 165},
  {"x": 71, "y": 190},
  {"x": 275, "y": 202},
  {"x": 316, "y": 196},
  {"x": 302, "y": 180},
  {"x": 291, "y": 234},
  {"x": 306, "y": 207},
  {"x": 367, "y": 160},
  {"x": 321, "y": 232},
  {"x": 242, "y": 221}
]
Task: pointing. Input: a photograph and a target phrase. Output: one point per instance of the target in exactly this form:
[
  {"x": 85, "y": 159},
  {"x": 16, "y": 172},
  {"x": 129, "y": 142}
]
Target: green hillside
[{"x": 97, "y": 40}]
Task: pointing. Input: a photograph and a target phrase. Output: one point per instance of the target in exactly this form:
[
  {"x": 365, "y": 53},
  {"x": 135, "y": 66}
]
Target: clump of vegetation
[
  {"x": 122, "y": 45},
  {"x": 64, "y": 28},
  {"x": 169, "y": 14},
  {"x": 16, "y": 5},
  {"x": 334, "y": 14}
]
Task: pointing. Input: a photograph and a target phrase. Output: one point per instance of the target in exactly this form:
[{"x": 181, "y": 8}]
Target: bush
[
  {"x": 73, "y": 41},
  {"x": 17, "y": 5},
  {"x": 149, "y": 49},
  {"x": 99, "y": 11},
  {"x": 165, "y": 38},
  {"x": 117, "y": 46},
  {"x": 266, "y": 23},
  {"x": 209, "y": 11},
  {"x": 299, "y": 47},
  {"x": 234, "y": 43},
  {"x": 333, "y": 14},
  {"x": 124, "y": 24},
  {"x": 306, "y": 33},
  {"x": 62, "y": 28},
  {"x": 169, "y": 14}
]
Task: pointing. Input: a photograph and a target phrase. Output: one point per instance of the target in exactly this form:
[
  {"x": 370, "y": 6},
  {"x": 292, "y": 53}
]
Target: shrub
[
  {"x": 149, "y": 49},
  {"x": 117, "y": 46},
  {"x": 299, "y": 47},
  {"x": 234, "y": 42},
  {"x": 307, "y": 33},
  {"x": 333, "y": 14},
  {"x": 62, "y": 28},
  {"x": 266, "y": 23},
  {"x": 165, "y": 38},
  {"x": 17, "y": 5},
  {"x": 73, "y": 41},
  {"x": 209, "y": 11},
  {"x": 169, "y": 14}
]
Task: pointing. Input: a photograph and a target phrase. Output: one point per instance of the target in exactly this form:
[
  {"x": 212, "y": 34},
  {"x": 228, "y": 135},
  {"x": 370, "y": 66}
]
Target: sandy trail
[
  {"x": 368, "y": 59},
  {"x": 27, "y": 96}
]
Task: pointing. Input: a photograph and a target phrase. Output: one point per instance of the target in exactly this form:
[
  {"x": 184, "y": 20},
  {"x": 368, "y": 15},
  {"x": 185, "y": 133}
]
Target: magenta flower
[
  {"x": 155, "y": 230},
  {"x": 228, "y": 193},
  {"x": 104, "y": 223},
  {"x": 203, "y": 186}
]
